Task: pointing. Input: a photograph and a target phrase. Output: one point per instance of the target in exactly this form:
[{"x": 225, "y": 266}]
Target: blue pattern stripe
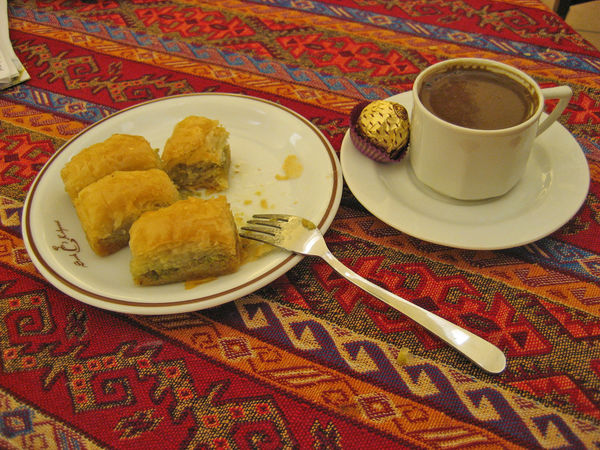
[
  {"x": 562, "y": 257},
  {"x": 63, "y": 105},
  {"x": 213, "y": 55},
  {"x": 503, "y": 46},
  {"x": 449, "y": 395}
]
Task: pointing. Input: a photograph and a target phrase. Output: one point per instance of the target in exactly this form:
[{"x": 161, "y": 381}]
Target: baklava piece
[
  {"x": 192, "y": 239},
  {"x": 108, "y": 207},
  {"x": 197, "y": 155},
  {"x": 118, "y": 152}
]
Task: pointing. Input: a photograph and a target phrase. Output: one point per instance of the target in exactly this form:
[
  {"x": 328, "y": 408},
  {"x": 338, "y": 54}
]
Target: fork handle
[{"x": 484, "y": 354}]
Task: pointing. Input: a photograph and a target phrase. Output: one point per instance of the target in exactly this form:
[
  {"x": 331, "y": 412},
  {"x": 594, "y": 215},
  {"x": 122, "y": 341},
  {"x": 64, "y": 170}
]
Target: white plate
[
  {"x": 554, "y": 186},
  {"x": 262, "y": 135}
]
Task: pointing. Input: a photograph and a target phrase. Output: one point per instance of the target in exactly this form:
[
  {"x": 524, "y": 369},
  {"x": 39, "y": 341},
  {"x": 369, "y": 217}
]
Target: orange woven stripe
[
  {"x": 430, "y": 49},
  {"x": 333, "y": 390},
  {"x": 306, "y": 94},
  {"x": 39, "y": 121},
  {"x": 528, "y": 277}
]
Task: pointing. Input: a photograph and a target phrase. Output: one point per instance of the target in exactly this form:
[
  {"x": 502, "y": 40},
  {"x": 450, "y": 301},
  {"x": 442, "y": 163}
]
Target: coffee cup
[{"x": 473, "y": 125}]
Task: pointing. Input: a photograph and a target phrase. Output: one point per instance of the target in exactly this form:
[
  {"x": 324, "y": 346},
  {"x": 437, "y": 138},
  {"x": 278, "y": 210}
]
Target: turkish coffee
[{"x": 477, "y": 97}]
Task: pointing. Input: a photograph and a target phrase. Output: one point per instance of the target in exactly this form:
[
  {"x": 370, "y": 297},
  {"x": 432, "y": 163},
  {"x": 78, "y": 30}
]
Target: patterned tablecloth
[{"x": 308, "y": 361}]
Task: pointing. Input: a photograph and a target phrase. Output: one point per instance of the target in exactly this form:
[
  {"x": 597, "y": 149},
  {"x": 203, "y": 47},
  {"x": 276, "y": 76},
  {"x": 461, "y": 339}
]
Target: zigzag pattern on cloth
[
  {"x": 145, "y": 384},
  {"x": 316, "y": 340},
  {"x": 452, "y": 293},
  {"x": 324, "y": 366}
]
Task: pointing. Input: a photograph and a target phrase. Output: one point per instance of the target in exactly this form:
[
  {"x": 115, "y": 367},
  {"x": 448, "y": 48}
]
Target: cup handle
[{"x": 563, "y": 94}]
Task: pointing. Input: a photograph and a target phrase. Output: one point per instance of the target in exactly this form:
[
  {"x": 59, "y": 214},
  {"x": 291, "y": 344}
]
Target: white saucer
[{"x": 550, "y": 193}]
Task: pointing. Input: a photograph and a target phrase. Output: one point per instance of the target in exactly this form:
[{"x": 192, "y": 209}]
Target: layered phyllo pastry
[
  {"x": 118, "y": 152},
  {"x": 197, "y": 154},
  {"x": 108, "y": 207},
  {"x": 192, "y": 239}
]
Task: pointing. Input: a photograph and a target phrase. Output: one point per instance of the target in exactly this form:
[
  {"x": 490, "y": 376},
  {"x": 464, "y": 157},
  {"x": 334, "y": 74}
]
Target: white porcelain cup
[{"x": 474, "y": 164}]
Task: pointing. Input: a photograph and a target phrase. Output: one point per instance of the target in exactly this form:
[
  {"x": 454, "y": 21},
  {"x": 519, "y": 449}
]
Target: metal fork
[{"x": 299, "y": 235}]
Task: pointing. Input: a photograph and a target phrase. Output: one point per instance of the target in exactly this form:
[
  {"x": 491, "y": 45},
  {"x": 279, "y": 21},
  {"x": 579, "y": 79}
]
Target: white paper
[{"x": 11, "y": 70}]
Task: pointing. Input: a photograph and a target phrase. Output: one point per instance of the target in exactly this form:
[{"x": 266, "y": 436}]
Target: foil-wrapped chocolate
[{"x": 380, "y": 130}]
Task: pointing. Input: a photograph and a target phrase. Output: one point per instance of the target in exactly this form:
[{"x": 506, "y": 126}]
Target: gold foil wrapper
[{"x": 385, "y": 124}]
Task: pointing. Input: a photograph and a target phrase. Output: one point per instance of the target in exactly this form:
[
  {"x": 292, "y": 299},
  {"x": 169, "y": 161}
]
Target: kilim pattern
[{"x": 309, "y": 361}]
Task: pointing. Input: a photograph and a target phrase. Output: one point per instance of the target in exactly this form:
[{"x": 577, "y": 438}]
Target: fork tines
[
  {"x": 266, "y": 220},
  {"x": 264, "y": 227},
  {"x": 257, "y": 229},
  {"x": 275, "y": 217}
]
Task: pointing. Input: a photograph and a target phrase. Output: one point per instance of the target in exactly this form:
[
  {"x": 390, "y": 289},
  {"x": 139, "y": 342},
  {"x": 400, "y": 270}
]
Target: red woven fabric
[{"x": 309, "y": 361}]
